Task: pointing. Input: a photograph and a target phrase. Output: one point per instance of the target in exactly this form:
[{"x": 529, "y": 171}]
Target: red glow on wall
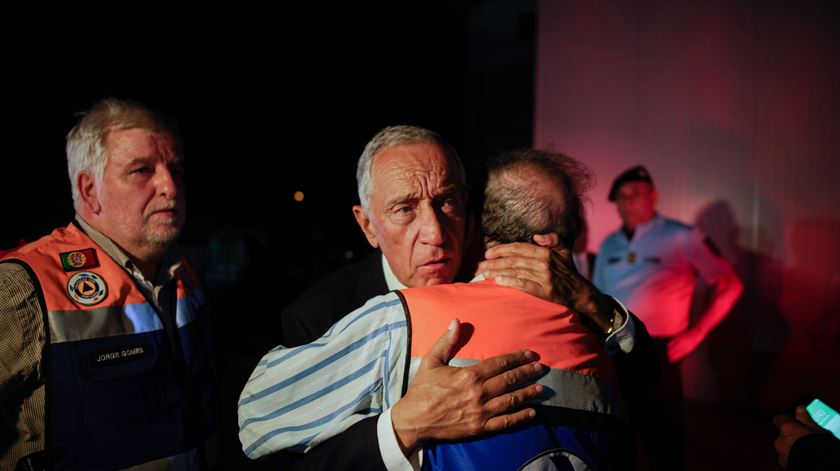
[{"x": 735, "y": 109}]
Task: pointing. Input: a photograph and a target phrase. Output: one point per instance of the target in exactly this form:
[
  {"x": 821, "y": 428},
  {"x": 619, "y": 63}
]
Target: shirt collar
[
  {"x": 169, "y": 264},
  {"x": 394, "y": 283},
  {"x": 642, "y": 228},
  {"x": 390, "y": 278}
]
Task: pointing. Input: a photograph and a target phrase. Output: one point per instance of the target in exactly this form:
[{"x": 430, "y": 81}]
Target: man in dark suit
[
  {"x": 331, "y": 297},
  {"x": 412, "y": 194}
]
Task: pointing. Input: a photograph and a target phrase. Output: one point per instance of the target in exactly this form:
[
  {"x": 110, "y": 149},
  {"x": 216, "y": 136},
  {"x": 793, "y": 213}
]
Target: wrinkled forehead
[
  {"x": 406, "y": 165},
  {"x": 140, "y": 142}
]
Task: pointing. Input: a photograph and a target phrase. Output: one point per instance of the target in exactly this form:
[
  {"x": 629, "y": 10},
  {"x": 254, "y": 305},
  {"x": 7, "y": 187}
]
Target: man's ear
[
  {"x": 365, "y": 224},
  {"x": 89, "y": 193},
  {"x": 550, "y": 240}
]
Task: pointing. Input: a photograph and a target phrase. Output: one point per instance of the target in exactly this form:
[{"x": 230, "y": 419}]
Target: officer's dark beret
[{"x": 636, "y": 174}]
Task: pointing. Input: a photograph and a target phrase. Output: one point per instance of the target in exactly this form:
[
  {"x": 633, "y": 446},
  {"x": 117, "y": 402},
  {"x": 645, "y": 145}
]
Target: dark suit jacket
[
  {"x": 309, "y": 317},
  {"x": 331, "y": 298}
]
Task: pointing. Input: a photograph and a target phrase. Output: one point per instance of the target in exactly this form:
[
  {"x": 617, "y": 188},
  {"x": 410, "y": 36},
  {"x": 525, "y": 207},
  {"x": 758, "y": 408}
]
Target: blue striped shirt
[
  {"x": 297, "y": 398},
  {"x": 350, "y": 369}
]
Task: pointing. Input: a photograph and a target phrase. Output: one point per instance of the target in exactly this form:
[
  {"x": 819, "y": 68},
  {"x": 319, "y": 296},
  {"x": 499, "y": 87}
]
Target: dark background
[{"x": 269, "y": 104}]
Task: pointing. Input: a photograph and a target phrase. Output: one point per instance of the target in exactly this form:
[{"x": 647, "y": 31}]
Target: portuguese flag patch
[{"x": 79, "y": 259}]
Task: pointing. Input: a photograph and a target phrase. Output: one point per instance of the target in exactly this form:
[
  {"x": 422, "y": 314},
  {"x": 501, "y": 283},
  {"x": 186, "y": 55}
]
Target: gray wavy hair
[
  {"x": 397, "y": 136},
  {"x": 86, "y": 141}
]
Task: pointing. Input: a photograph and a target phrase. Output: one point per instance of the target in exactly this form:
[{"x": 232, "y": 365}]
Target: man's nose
[
  {"x": 166, "y": 182},
  {"x": 431, "y": 229}
]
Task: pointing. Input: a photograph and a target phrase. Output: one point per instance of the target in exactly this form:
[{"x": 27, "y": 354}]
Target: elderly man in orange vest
[{"x": 105, "y": 351}]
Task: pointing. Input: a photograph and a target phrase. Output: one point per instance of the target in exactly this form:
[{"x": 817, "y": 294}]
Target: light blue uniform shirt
[{"x": 654, "y": 274}]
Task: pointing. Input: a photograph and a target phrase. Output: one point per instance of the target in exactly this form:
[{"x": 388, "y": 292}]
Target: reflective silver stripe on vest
[
  {"x": 69, "y": 326},
  {"x": 568, "y": 389},
  {"x": 188, "y": 307}
]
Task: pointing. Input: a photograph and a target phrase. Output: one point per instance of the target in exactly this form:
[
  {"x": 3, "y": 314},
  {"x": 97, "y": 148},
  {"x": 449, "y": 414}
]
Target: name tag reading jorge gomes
[{"x": 119, "y": 355}]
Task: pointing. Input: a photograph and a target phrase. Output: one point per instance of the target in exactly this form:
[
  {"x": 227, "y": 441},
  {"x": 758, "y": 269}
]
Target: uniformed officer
[{"x": 651, "y": 263}]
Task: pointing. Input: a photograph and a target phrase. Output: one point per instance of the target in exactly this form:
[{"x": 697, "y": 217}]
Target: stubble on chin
[
  {"x": 162, "y": 232},
  {"x": 164, "y": 237}
]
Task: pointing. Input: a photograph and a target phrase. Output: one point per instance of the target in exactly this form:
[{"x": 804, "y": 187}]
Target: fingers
[
  {"x": 516, "y": 249},
  {"x": 541, "y": 290},
  {"x": 802, "y": 424},
  {"x": 517, "y": 267},
  {"x": 440, "y": 351},
  {"x": 528, "y": 278},
  {"x": 528, "y": 261},
  {"x": 547, "y": 276},
  {"x": 448, "y": 403},
  {"x": 780, "y": 420},
  {"x": 679, "y": 347},
  {"x": 495, "y": 366},
  {"x": 506, "y": 384},
  {"x": 677, "y": 354},
  {"x": 524, "y": 255},
  {"x": 499, "y": 407},
  {"x": 522, "y": 274},
  {"x": 803, "y": 416},
  {"x": 562, "y": 256},
  {"x": 683, "y": 344},
  {"x": 513, "y": 400},
  {"x": 494, "y": 270},
  {"x": 506, "y": 421},
  {"x": 674, "y": 350},
  {"x": 534, "y": 288}
]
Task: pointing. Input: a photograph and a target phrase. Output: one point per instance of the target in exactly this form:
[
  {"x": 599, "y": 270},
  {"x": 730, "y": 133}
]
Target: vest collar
[{"x": 170, "y": 262}]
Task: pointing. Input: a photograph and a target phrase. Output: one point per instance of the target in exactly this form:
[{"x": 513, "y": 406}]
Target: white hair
[
  {"x": 86, "y": 141},
  {"x": 397, "y": 136}
]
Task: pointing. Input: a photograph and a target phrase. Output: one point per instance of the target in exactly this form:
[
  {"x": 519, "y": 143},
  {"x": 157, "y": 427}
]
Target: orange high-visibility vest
[
  {"x": 117, "y": 395},
  {"x": 583, "y": 416}
]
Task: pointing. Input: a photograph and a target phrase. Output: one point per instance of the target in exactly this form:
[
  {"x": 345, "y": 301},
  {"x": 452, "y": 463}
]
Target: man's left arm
[
  {"x": 726, "y": 292},
  {"x": 299, "y": 397},
  {"x": 726, "y": 289}
]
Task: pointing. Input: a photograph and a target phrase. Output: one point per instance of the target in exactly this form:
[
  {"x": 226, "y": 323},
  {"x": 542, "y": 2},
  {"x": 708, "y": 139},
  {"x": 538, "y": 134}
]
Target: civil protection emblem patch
[{"x": 87, "y": 288}]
